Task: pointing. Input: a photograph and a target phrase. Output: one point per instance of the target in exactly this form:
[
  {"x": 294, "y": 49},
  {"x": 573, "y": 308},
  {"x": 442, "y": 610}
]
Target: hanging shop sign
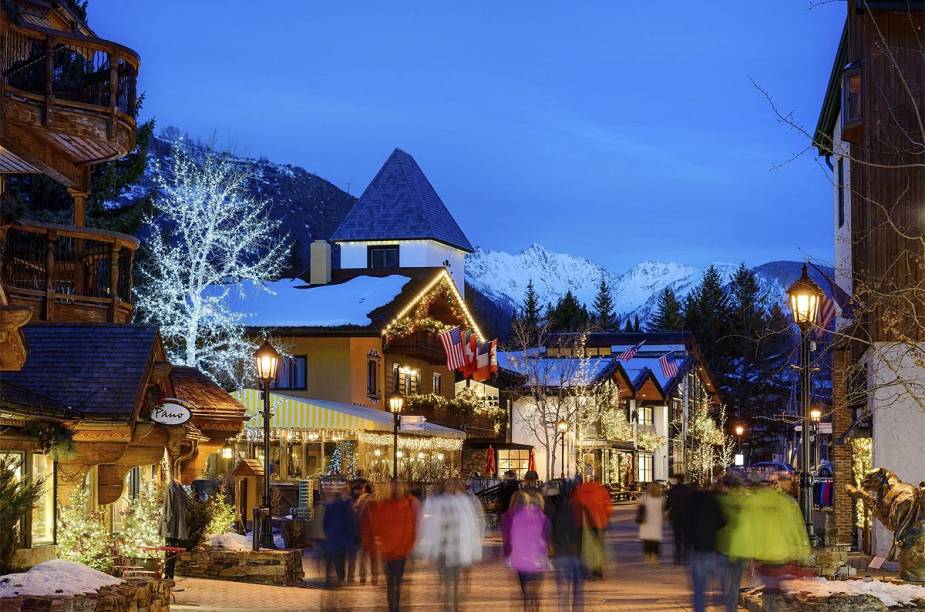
[
  {"x": 171, "y": 411},
  {"x": 412, "y": 422}
]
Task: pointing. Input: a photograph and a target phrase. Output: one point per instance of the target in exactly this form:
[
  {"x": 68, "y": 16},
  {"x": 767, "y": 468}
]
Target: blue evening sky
[{"x": 620, "y": 131}]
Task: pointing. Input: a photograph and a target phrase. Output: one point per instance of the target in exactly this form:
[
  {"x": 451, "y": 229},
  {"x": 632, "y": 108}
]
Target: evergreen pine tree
[
  {"x": 296, "y": 261},
  {"x": 707, "y": 316},
  {"x": 747, "y": 320},
  {"x": 568, "y": 315},
  {"x": 668, "y": 315},
  {"x": 530, "y": 313},
  {"x": 143, "y": 521},
  {"x": 604, "y": 317},
  {"x": 628, "y": 326},
  {"x": 636, "y": 327}
]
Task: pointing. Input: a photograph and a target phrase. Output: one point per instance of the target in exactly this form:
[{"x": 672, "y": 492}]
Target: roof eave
[
  {"x": 464, "y": 248},
  {"x": 831, "y": 103}
]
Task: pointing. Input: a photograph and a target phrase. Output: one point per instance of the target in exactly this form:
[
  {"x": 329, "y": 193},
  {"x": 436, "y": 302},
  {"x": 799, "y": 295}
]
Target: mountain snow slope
[{"x": 503, "y": 278}]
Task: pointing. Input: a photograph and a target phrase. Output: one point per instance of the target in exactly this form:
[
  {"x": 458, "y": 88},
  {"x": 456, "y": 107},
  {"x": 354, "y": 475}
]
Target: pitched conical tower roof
[{"x": 400, "y": 204}]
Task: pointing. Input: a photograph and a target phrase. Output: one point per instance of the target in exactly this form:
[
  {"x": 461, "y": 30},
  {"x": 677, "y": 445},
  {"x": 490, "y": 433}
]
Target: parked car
[
  {"x": 771, "y": 466},
  {"x": 825, "y": 469}
]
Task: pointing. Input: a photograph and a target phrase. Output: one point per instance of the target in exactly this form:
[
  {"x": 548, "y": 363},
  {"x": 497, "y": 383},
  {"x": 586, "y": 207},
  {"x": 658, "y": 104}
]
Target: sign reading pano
[{"x": 171, "y": 411}]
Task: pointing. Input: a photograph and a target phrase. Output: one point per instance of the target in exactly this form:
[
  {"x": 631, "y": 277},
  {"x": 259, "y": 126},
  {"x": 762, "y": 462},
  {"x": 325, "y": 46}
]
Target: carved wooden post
[
  {"x": 80, "y": 208},
  {"x": 114, "y": 283},
  {"x": 49, "y": 78},
  {"x": 51, "y": 239},
  {"x": 113, "y": 92}
]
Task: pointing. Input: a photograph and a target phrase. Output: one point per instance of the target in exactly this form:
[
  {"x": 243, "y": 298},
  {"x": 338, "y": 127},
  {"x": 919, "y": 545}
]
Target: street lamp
[
  {"x": 396, "y": 403},
  {"x": 267, "y": 363},
  {"x": 562, "y": 426},
  {"x": 816, "y": 416},
  {"x": 805, "y": 296}
]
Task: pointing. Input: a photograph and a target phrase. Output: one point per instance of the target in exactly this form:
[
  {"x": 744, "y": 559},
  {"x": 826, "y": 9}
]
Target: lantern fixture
[
  {"x": 267, "y": 362},
  {"x": 804, "y": 295},
  {"x": 816, "y": 415},
  {"x": 227, "y": 452},
  {"x": 396, "y": 403},
  {"x": 562, "y": 426},
  {"x": 740, "y": 430}
]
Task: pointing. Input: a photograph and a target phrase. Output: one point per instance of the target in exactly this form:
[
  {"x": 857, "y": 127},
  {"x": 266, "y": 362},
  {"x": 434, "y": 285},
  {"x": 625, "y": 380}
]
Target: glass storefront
[{"x": 43, "y": 513}]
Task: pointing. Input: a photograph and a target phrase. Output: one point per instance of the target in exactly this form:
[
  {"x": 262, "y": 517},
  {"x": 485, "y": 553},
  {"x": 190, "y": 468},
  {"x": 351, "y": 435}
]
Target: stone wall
[
  {"x": 134, "y": 595},
  {"x": 277, "y": 567}
]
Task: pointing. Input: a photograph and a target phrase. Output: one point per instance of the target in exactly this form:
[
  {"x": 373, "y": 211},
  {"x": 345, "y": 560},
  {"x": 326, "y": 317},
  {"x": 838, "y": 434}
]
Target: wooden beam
[{"x": 26, "y": 144}]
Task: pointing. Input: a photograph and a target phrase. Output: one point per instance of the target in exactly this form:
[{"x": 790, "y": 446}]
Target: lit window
[
  {"x": 43, "y": 513},
  {"x": 513, "y": 459},
  {"x": 437, "y": 382},
  {"x": 378, "y": 257},
  {"x": 646, "y": 415},
  {"x": 645, "y": 469},
  {"x": 372, "y": 378},
  {"x": 291, "y": 373}
]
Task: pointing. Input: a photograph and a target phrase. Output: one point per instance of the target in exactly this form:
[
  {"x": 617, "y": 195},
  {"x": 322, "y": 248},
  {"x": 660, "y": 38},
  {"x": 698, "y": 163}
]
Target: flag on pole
[
  {"x": 669, "y": 366},
  {"x": 470, "y": 350},
  {"x": 827, "y": 309},
  {"x": 630, "y": 352},
  {"x": 452, "y": 340},
  {"x": 826, "y": 315},
  {"x": 486, "y": 361}
]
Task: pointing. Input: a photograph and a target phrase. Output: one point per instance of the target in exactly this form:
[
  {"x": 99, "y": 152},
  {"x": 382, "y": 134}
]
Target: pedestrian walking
[
  {"x": 527, "y": 533},
  {"x": 701, "y": 526},
  {"x": 591, "y": 502},
  {"x": 339, "y": 534},
  {"x": 394, "y": 529},
  {"x": 649, "y": 516},
  {"x": 450, "y": 534},
  {"x": 677, "y": 503},
  {"x": 565, "y": 545},
  {"x": 367, "y": 559},
  {"x": 509, "y": 486}
]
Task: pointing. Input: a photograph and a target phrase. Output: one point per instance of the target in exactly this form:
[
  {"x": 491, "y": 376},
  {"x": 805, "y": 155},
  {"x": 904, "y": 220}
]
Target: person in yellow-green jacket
[{"x": 732, "y": 539}]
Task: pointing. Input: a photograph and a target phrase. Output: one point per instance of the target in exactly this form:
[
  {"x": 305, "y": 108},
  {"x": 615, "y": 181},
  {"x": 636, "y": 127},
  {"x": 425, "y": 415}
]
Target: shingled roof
[
  {"x": 96, "y": 370},
  {"x": 207, "y": 398},
  {"x": 400, "y": 204}
]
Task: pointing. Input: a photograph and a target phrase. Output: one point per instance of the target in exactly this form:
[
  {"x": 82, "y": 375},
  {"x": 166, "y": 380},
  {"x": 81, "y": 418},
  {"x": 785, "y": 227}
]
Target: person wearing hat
[{"x": 565, "y": 545}]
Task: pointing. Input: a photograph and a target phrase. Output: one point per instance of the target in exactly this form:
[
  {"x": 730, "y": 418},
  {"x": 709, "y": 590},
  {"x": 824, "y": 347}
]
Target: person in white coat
[
  {"x": 450, "y": 532},
  {"x": 649, "y": 516}
]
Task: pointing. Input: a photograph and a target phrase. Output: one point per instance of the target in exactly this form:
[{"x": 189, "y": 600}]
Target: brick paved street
[{"x": 629, "y": 585}]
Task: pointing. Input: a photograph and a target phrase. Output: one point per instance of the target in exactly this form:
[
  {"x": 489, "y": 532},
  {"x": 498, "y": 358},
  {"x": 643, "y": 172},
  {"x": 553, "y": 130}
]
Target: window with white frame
[
  {"x": 645, "y": 468},
  {"x": 436, "y": 382}
]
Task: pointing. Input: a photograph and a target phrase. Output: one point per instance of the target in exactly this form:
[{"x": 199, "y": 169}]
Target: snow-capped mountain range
[{"x": 503, "y": 278}]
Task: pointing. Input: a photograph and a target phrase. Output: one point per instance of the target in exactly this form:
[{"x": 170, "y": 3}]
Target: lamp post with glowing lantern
[
  {"x": 396, "y": 403},
  {"x": 740, "y": 429},
  {"x": 267, "y": 363},
  {"x": 805, "y": 296},
  {"x": 562, "y": 426}
]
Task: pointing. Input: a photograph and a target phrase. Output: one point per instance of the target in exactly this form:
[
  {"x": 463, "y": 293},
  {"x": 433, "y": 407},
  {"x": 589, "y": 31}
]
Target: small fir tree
[
  {"x": 222, "y": 515},
  {"x": 18, "y": 496},
  {"x": 604, "y": 317},
  {"x": 82, "y": 534},
  {"x": 143, "y": 520}
]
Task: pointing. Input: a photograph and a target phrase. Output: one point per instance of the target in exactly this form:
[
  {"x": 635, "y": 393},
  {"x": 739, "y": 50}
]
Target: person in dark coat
[
  {"x": 565, "y": 541},
  {"x": 508, "y": 488},
  {"x": 340, "y": 531},
  {"x": 703, "y": 521},
  {"x": 678, "y": 505}
]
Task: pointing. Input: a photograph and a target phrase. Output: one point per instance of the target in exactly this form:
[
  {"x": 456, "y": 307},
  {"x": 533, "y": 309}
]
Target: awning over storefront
[{"x": 302, "y": 413}]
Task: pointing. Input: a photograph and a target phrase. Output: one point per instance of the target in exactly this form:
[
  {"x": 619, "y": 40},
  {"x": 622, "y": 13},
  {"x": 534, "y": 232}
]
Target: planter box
[
  {"x": 134, "y": 595},
  {"x": 276, "y": 567}
]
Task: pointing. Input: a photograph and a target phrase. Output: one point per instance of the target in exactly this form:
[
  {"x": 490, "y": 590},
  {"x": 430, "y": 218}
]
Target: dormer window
[
  {"x": 851, "y": 110},
  {"x": 378, "y": 257}
]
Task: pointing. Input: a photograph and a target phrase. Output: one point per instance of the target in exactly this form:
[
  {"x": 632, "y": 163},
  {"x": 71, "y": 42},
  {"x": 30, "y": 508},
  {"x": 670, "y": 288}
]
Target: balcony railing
[
  {"x": 420, "y": 344},
  {"x": 68, "y": 274},
  {"x": 53, "y": 67}
]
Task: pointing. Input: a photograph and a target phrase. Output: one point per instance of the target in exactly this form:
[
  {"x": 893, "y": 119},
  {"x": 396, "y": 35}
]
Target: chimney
[{"x": 320, "y": 262}]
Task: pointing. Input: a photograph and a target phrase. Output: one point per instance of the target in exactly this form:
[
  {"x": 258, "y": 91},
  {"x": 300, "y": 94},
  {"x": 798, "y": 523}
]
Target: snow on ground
[
  {"x": 887, "y": 592},
  {"x": 229, "y": 541},
  {"x": 291, "y": 303},
  {"x": 56, "y": 577}
]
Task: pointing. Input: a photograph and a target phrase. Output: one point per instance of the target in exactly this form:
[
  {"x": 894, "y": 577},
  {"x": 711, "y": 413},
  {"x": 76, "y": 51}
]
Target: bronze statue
[{"x": 901, "y": 508}]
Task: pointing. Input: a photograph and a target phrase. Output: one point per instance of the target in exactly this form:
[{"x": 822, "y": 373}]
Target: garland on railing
[
  {"x": 413, "y": 443},
  {"x": 466, "y": 405}
]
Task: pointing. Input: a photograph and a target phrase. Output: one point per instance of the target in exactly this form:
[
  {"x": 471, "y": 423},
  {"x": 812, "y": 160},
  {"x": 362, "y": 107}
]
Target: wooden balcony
[
  {"x": 422, "y": 345},
  {"x": 69, "y": 100},
  {"x": 68, "y": 274}
]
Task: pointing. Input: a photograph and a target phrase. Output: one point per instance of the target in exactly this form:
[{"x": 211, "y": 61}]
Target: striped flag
[
  {"x": 453, "y": 347},
  {"x": 630, "y": 352},
  {"x": 669, "y": 366},
  {"x": 826, "y": 315}
]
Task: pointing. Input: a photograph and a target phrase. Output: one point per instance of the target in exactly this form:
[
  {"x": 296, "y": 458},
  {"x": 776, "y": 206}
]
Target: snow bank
[
  {"x": 291, "y": 303},
  {"x": 887, "y": 592},
  {"x": 55, "y": 577},
  {"x": 229, "y": 541}
]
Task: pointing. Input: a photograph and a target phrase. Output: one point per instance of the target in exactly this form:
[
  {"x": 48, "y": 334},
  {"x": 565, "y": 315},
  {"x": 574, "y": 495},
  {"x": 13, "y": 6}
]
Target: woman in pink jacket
[{"x": 527, "y": 535}]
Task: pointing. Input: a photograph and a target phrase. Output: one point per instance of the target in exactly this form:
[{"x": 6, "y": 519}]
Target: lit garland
[
  {"x": 299, "y": 435},
  {"x": 424, "y": 299},
  {"x": 414, "y": 444},
  {"x": 143, "y": 521},
  {"x": 861, "y": 463}
]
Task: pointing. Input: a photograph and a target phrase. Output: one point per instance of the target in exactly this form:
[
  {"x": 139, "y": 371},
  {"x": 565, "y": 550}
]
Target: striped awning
[{"x": 290, "y": 412}]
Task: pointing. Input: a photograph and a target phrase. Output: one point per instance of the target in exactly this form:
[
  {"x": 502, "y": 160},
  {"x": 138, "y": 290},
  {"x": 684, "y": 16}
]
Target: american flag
[
  {"x": 453, "y": 347},
  {"x": 630, "y": 352},
  {"x": 669, "y": 366},
  {"x": 827, "y": 309},
  {"x": 826, "y": 315}
]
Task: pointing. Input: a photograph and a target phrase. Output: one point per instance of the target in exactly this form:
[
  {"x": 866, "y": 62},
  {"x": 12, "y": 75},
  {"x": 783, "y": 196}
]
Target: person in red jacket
[
  {"x": 591, "y": 505},
  {"x": 394, "y": 528}
]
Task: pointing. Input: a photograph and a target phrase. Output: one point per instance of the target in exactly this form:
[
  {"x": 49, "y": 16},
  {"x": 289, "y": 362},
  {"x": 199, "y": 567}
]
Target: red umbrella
[
  {"x": 490, "y": 465},
  {"x": 531, "y": 467}
]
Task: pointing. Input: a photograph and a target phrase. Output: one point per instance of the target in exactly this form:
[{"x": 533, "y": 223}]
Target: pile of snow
[
  {"x": 55, "y": 577},
  {"x": 888, "y": 593},
  {"x": 291, "y": 303},
  {"x": 229, "y": 541}
]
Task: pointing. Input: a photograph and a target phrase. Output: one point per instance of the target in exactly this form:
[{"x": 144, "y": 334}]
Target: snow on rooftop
[
  {"x": 55, "y": 577},
  {"x": 292, "y": 303}
]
